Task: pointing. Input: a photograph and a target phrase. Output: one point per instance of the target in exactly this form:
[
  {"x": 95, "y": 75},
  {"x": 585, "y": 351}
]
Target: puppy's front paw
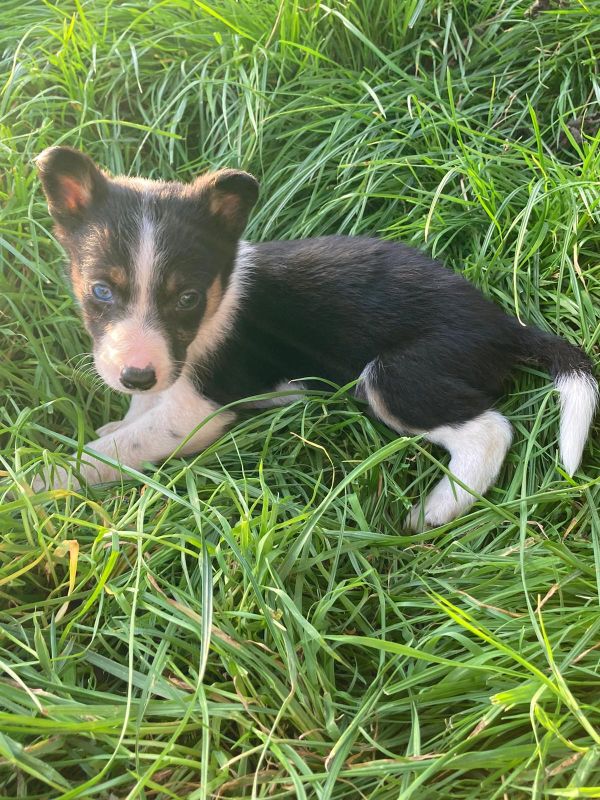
[
  {"x": 90, "y": 469},
  {"x": 54, "y": 478},
  {"x": 110, "y": 427},
  {"x": 94, "y": 471},
  {"x": 119, "y": 448}
]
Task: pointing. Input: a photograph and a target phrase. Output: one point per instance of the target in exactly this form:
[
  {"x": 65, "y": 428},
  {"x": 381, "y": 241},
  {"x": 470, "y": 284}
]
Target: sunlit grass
[{"x": 255, "y": 622}]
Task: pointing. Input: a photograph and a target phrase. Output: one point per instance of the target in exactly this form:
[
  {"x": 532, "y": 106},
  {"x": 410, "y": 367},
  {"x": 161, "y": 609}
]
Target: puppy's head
[{"x": 149, "y": 260}]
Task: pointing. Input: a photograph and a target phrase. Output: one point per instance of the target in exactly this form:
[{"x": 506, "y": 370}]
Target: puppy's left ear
[
  {"x": 229, "y": 195},
  {"x": 71, "y": 183}
]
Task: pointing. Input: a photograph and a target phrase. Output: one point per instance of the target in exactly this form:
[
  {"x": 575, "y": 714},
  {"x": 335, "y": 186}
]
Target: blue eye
[{"x": 102, "y": 292}]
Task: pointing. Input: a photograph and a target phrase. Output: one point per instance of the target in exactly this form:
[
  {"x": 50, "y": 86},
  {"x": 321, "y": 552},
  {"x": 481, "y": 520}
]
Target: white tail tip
[{"x": 578, "y": 398}]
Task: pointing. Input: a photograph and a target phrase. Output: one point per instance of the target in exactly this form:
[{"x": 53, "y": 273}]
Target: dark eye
[
  {"x": 102, "y": 292},
  {"x": 188, "y": 300}
]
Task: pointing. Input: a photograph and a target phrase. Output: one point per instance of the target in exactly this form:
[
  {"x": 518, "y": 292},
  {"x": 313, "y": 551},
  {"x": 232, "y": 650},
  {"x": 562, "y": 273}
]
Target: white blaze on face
[
  {"x": 135, "y": 341},
  {"x": 145, "y": 264}
]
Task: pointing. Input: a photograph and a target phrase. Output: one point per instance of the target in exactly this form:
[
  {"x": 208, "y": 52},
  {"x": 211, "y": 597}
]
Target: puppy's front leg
[
  {"x": 155, "y": 434},
  {"x": 140, "y": 403}
]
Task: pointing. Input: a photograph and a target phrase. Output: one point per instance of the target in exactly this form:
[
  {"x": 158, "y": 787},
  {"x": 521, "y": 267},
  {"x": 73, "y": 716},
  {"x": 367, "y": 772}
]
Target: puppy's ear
[
  {"x": 71, "y": 183},
  {"x": 229, "y": 196}
]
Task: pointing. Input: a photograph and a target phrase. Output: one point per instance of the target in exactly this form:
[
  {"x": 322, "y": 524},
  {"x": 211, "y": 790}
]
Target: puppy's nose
[{"x": 134, "y": 378}]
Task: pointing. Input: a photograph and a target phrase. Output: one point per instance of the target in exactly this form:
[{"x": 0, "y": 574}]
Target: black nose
[{"x": 134, "y": 378}]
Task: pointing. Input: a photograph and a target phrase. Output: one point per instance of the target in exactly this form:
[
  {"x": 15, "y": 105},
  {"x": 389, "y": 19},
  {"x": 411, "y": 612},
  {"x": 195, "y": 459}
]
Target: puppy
[{"x": 186, "y": 317}]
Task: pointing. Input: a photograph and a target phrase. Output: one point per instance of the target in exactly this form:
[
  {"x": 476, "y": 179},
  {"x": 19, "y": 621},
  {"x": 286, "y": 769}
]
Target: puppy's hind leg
[
  {"x": 416, "y": 392},
  {"x": 477, "y": 450}
]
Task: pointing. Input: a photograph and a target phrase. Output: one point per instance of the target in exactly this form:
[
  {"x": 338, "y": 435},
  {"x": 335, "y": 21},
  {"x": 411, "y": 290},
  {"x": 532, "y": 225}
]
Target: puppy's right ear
[{"x": 71, "y": 183}]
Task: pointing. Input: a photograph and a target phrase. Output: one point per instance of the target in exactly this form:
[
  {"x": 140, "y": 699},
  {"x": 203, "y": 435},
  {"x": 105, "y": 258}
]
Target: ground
[{"x": 256, "y": 622}]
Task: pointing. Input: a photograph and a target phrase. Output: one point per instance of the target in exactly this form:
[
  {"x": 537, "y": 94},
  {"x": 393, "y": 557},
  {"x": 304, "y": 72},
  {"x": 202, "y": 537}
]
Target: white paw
[
  {"x": 110, "y": 427},
  {"x": 55, "y": 478},
  {"x": 444, "y": 503},
  {"x": 94, "y": 471},
  {"x": 434, "y": 513},
  {"x": 415, "y": 519},
  {"x": 421, "y": 519},
  {"x": 90, "y": 469}
]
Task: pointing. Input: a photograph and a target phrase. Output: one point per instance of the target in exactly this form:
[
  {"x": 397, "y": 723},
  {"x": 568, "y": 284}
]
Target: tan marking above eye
[
  {"x": 118, "y": 277},
  {"x": 172, "y": 284}
]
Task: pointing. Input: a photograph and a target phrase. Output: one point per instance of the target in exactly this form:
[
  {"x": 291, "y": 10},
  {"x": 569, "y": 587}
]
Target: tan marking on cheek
[
  {"x": 214, "y": 295},
  {"x": 77, "y": 283}
]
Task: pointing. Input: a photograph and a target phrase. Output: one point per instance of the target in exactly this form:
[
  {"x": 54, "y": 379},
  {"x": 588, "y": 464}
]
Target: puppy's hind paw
[
  {"x": 416, "y": 519},
  {"x": 439, "y": 509}
]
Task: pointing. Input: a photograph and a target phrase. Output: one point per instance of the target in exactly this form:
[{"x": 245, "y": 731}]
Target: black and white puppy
[{"x": 186, "y": 318}]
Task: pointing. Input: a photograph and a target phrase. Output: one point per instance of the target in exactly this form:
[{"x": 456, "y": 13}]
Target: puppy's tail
[{"x": 574, "y": 380}]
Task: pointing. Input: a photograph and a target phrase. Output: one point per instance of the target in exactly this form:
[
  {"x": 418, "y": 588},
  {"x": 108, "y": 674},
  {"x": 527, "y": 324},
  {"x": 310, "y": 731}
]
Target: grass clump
[{"x": 254, "y": 622}]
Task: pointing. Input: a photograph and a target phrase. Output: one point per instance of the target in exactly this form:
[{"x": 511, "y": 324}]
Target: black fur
[{"x": 327, "y": 307}]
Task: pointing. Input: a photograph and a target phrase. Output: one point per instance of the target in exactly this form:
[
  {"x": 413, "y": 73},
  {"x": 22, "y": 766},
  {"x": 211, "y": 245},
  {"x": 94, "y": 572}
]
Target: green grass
[{"x": 255, "y": 622}]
